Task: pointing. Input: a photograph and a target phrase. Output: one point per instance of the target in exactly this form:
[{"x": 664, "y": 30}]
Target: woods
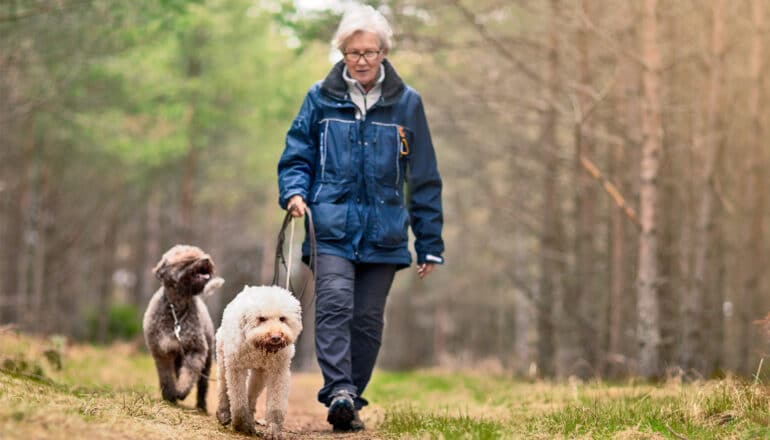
[{"x": 604, "y": 163}]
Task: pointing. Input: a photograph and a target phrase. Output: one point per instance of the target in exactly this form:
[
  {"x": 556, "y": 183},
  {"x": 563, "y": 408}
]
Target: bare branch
[
  {"x": 499, "y": 47},
  {"x": 611, "y": 189}
]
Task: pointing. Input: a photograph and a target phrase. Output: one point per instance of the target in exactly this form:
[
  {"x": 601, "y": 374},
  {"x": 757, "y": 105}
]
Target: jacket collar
[{"x": 335, "y": 86}]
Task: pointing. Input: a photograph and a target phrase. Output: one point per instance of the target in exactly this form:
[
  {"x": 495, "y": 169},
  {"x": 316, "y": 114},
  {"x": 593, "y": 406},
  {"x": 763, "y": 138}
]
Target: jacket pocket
[
  {"x": 392, "y": 223},
  {"x": 330, "y": 220},
  {"x": 392, "y": 147},
  {"x": 335, "y": 149}
]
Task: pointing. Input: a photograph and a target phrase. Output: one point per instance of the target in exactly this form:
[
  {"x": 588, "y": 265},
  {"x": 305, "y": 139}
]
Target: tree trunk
[
  {"x": 13, "y": 169},
  {"x": 39, "y": 269},
  {"x": 106, "y": 267},
  {"x": 615, "y": 358},
  {"x": 648, "y": 326},
  {"x": 586, "y": 287},
  {"x": 187, "y": 202},
  {"x": 152, "y": 251},
  {"x": 27, "y": 202},
  {"x": 550, "y": 238},
  {"x": 579, "y": 355},
  {"x": 755, "y": 257},
  {"x": 12, "y": 240},
  {"x": 707, "y": 142}
]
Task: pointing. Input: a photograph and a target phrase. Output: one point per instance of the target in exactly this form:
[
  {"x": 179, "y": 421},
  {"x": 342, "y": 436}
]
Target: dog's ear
[
  {"x": 244, "y": 324},
  {"x": 164, "y": 272},
  {"x": 298, "y": 320}
]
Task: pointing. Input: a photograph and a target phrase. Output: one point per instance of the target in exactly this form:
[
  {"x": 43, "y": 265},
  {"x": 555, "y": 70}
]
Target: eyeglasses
[{"x": 368, "y": 55}]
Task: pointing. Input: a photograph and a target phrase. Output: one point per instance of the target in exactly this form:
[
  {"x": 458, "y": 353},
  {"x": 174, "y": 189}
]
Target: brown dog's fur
[{"x": 181, "y": 361}]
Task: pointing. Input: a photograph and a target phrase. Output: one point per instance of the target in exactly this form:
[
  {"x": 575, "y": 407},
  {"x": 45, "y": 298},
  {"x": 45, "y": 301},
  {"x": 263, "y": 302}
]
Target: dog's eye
[
  {"x": 283, "y": 319},
  {"x": 262, "y": 319}
]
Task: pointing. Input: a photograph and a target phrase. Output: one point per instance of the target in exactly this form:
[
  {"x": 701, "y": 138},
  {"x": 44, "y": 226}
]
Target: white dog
[{"x": 255, "y": 345}]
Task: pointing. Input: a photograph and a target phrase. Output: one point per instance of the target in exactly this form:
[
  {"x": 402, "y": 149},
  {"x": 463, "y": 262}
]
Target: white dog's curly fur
[{"x": 255, "y": 345}]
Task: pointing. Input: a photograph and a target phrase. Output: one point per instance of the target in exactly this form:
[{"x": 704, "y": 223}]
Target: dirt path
[{"x": 306, "y": 418}]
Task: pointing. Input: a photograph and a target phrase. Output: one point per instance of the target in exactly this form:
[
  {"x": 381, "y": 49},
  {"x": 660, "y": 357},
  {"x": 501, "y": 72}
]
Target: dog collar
[{"x": 177, "y": 321}]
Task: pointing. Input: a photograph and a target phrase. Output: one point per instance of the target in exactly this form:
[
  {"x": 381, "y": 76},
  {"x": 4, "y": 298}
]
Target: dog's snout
[{"x": 275, "y": 338}]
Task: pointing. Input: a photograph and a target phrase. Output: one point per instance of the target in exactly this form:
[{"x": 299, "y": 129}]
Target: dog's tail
[{"x": 213, "y": 286}]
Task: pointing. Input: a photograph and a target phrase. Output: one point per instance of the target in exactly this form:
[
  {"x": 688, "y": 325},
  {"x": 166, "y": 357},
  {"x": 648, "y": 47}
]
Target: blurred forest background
[{"x": 605, "y": 168}]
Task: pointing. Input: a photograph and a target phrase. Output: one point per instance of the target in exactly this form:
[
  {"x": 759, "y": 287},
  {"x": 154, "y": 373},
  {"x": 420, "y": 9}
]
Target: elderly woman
[{"x": 360, "y": 135}]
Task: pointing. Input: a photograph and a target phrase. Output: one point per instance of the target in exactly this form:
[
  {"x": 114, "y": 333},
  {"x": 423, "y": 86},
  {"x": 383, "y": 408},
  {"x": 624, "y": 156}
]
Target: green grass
[
  {"x": 408, "y": 421},
  {"x": 474, "y": 406}
]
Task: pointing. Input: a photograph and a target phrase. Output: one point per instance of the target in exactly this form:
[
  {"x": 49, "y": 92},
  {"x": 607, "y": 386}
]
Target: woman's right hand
[{"x": 296, "y": 206}]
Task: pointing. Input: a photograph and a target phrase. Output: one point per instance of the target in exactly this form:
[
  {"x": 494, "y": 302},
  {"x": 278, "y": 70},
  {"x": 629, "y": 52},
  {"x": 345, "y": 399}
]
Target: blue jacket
[{"x": 352, "y": 173}]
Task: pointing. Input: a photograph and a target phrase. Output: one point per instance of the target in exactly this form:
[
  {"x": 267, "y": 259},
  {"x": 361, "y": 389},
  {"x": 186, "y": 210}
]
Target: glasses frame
[{"x": 367, "y": 55}]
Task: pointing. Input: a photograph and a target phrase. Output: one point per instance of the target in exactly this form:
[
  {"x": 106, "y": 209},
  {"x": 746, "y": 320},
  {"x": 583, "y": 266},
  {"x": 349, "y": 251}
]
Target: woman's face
[{"x": 363, "y": 57}]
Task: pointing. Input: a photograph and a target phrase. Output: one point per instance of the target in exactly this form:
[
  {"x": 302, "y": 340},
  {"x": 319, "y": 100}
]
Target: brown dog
[{"x": 177, "y": 326}]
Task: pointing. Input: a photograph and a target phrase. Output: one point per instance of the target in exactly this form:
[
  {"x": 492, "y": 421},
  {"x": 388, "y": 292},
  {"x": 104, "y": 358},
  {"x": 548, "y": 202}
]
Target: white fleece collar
[{"x": 363, "y": 100}]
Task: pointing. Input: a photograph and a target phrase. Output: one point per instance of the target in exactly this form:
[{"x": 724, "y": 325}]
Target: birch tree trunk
[{"x": 648, "y": 326}]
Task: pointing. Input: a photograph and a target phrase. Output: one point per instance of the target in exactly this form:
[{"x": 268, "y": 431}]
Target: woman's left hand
[{"x": 423, "y": 270}]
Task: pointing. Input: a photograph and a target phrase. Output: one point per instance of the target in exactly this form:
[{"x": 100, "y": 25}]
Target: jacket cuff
[{"x": 423, "y": 258}]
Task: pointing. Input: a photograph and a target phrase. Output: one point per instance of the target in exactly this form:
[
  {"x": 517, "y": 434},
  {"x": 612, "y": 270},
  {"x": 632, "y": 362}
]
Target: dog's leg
[
  {"x": 256, "y": 385},
  {"x": 203, "y": 385},
  {"x": 192, "y": 365},
  {"x": 277, "y": 400},
  {"x": 167, "y": 377},
  {"x": 243, "y": 417},
  {"x": 223, "y": 409}
]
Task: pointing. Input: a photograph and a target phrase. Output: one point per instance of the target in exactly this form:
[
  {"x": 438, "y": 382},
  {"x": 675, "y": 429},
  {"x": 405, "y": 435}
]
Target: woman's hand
[
  {"x": 423, "y": 270},
  {"x": 296, "y": 206}
]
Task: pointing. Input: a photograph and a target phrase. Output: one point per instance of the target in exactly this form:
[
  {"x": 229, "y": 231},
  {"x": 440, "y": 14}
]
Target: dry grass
[
  {"x": 111, "y": 393},
  {"x": 99, "y": 393}
]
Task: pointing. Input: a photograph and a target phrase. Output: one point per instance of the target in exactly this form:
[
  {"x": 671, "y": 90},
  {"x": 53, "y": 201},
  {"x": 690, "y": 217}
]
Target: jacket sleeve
[
  {"x": 424, "y": 182},
  {"x": 297, "y": 163}
]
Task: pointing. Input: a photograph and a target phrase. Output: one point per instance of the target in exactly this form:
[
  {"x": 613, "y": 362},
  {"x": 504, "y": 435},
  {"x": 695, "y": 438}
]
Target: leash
[
  {"x": 291, "y": 247},
  {"x": 280, "y": 259}
]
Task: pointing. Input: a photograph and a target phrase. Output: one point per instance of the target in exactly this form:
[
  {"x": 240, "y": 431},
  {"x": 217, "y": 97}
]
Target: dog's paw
[
  {"x": 273, "y": 432},
  {"x": 245, "y": 428},
  {"x": 223, "y": 415},
  {"x": 169, "y": 395},
  {"x": 213, "y": 286}
]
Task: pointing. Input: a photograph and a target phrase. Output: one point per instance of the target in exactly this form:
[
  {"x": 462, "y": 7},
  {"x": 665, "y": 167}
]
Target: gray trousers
[{"x": 350, "y": 304}]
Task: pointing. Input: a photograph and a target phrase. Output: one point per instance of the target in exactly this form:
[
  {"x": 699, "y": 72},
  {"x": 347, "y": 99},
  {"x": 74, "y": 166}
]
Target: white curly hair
[{"x": 363, "y": 18}]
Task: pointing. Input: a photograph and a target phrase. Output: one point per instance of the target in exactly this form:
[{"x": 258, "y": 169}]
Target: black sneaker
[{"x": 341, "y": 411}]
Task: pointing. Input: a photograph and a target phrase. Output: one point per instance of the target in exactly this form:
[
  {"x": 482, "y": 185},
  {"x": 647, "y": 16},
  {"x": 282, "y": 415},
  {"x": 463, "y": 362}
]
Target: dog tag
[{"x": 177, "y": 330}]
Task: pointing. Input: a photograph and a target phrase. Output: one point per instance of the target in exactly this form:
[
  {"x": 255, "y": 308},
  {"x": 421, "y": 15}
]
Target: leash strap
[
  {"x": 280, "y": 259},
  {"x": 291, "y": 247}
]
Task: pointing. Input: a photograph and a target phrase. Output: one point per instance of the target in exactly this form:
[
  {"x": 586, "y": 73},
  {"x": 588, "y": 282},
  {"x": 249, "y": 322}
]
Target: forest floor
[{"x": 111, "y": 393}]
